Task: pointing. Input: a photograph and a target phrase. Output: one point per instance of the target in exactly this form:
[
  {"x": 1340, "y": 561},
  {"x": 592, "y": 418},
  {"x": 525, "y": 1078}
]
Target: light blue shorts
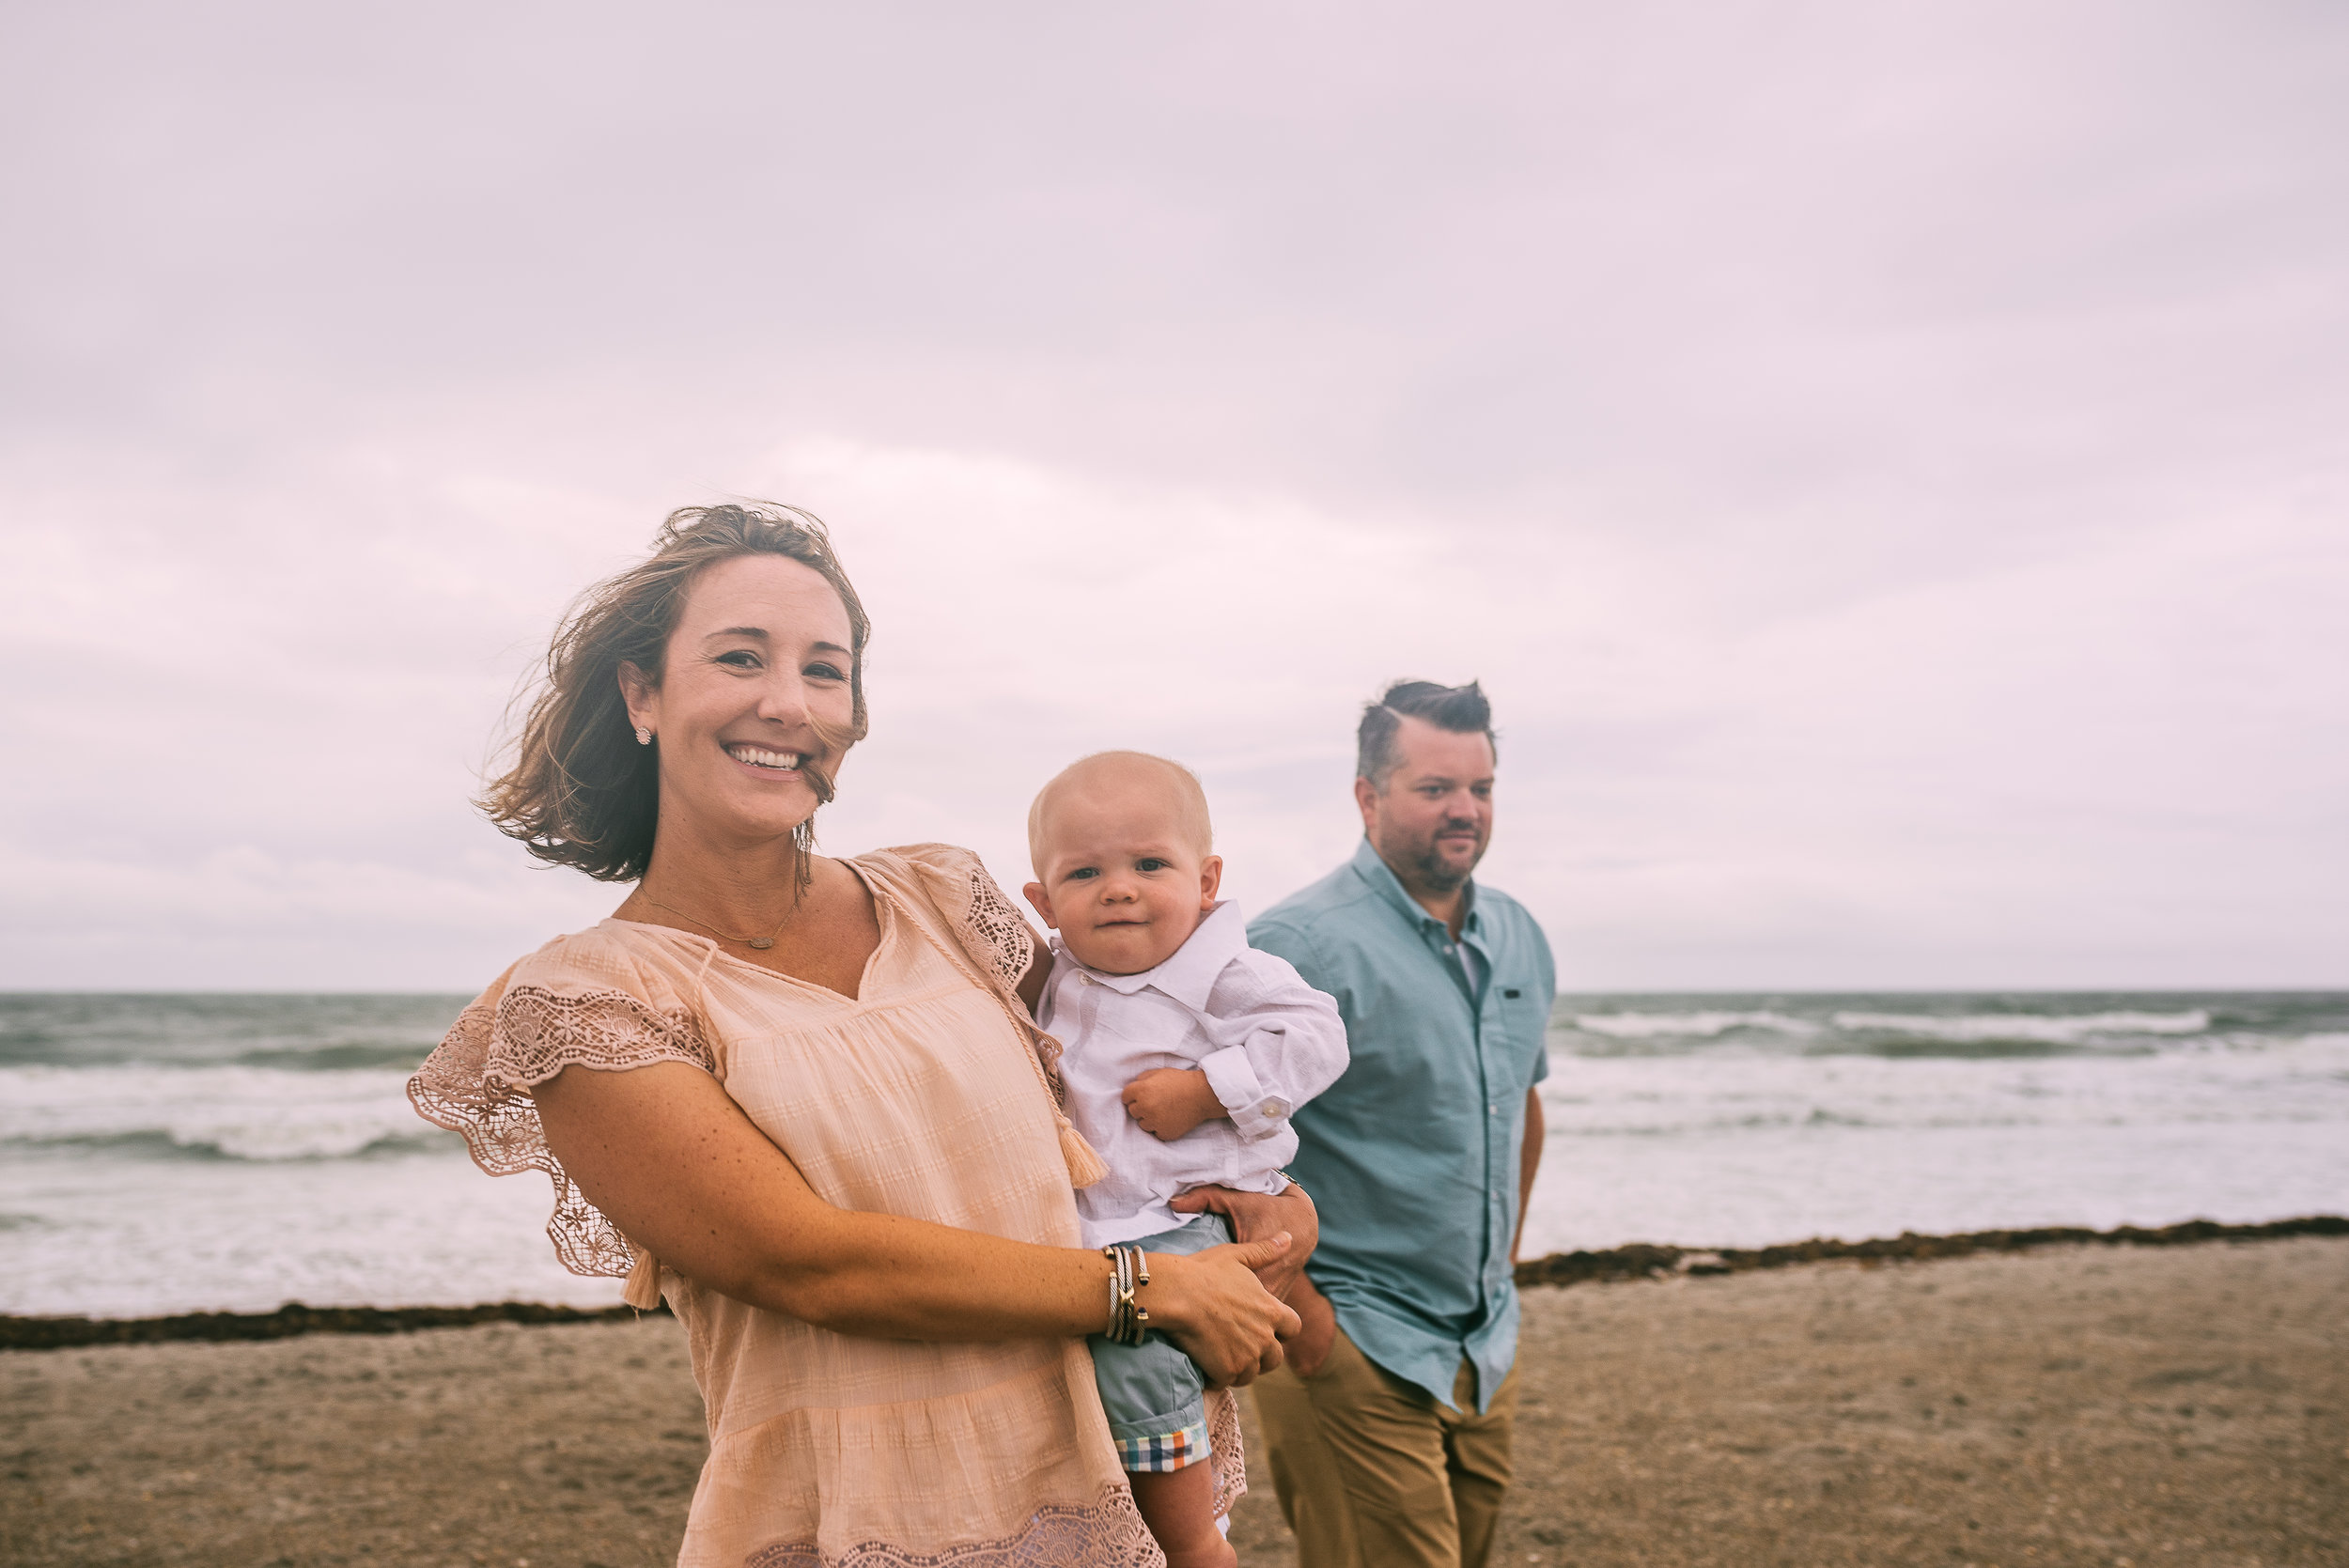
[{"x": 1155, "y": 1396}]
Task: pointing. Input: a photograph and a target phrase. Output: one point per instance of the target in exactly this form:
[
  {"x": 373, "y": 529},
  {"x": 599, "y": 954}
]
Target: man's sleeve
[
  {"x": 1286, "y": 941},
  {"x": 1549, "y": 967}
]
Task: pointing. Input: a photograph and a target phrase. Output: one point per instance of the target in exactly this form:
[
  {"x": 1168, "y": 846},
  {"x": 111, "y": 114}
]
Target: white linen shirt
[{"x": 1267, "y": 1041}]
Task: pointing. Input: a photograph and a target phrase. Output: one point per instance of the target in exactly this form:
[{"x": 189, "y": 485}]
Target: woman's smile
[{"x": 759, "y": 759}]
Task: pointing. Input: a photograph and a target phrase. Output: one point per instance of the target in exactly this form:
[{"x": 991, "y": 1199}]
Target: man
[{"x": 1390, "y": 1425}]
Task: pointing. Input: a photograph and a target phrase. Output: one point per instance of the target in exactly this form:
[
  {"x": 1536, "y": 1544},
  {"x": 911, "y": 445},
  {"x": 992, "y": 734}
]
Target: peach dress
[{"x": 932, "y": 1095}]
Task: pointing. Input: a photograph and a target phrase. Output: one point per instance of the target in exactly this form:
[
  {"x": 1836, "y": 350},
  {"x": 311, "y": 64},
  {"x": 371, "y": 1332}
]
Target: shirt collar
[
  {"x": 1372, "y": 867},
  {"x": 1190, "y": 974}
]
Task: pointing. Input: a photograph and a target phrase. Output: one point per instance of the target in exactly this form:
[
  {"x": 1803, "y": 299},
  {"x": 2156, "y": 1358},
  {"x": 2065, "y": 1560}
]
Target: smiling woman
[
  {"x": 804, "y": 1099},
  {"x": 582, "y": 792}
]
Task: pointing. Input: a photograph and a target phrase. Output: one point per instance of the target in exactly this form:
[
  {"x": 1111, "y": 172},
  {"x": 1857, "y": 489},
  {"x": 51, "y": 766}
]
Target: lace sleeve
[
  {"x": 993, "y": 926},
  {"x": 987, "y": 924},
  {"x": 477, "y": 1084}
]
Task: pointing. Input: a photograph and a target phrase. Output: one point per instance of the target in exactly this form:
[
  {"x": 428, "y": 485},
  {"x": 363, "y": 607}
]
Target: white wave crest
[
  {"x": 240, "y": 1112},
  {"x": 1703, "y": 1025},
  {"x": 2046, "y": 1028}
]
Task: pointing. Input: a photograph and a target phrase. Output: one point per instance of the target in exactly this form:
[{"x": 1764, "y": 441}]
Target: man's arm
[{"x": 1529, "y": 1161}]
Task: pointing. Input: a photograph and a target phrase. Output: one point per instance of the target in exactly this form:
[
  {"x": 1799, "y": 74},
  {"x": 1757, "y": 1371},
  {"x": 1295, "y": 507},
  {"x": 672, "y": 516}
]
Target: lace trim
[
  {"x": 994, "y": 926},
  {"x": 476, "y": 1084},
  {"x": 1109, "y": 1534},
  {"x": 1225, "y": 1455}
]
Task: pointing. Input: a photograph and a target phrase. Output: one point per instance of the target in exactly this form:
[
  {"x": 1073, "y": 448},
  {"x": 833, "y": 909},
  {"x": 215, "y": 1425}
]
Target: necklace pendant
[{"x": 760, "y": 942}]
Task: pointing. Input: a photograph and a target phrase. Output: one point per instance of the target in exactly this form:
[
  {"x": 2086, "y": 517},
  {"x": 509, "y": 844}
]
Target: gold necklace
[{"x": 762, "y": 943}]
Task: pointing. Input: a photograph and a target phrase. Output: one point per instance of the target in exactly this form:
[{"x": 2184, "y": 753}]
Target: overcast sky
[{"x": 1889, "y": 464}]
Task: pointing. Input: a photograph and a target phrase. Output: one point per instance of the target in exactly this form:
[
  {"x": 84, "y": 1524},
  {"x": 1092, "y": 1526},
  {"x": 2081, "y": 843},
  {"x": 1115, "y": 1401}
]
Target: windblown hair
[
  {"x": 580, "y": 791},
  {"x": 1461, "y": 710}
]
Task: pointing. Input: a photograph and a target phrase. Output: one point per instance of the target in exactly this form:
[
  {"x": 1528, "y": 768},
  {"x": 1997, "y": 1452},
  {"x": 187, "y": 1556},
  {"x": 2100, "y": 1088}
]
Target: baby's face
[{"x": 1120, "y": 873}]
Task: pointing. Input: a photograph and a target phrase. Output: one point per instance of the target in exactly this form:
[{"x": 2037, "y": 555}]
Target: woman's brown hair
[{"x": 581, "y": 791}]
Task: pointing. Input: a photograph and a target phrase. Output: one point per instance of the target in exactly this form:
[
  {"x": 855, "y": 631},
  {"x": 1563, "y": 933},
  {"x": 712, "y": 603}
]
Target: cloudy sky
[{"x": 1888, "y": 463}]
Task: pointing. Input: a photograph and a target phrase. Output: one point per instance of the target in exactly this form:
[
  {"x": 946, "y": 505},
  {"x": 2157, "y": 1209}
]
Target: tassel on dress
[
  {"x": 643, "y": 1283},
  {"x": 1085, "y": 1167}
]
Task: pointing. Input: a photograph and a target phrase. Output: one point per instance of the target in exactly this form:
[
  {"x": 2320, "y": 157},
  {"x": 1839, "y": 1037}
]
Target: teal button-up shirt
[{"x": 1412, "y": 1155}]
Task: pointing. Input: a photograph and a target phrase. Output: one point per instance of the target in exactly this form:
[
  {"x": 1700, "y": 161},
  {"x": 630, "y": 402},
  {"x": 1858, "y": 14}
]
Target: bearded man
[{"x": 1390, "y": 1425}]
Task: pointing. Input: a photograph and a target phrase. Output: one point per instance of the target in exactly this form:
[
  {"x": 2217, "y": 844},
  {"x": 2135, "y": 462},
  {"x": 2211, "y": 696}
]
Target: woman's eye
[
  {"x": 740, "y": 659},
  {"x": 824, "y": 671}
]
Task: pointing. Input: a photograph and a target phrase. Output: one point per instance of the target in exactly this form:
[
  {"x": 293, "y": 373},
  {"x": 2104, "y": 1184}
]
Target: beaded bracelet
[{"x": 1130, "y": 1271}]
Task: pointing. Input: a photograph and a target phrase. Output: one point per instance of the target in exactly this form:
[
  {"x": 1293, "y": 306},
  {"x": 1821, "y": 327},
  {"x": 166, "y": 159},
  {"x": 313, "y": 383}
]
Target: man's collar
[
  {"x": 1190, "y": 974},
  {"x": 1372, "y": 867}
]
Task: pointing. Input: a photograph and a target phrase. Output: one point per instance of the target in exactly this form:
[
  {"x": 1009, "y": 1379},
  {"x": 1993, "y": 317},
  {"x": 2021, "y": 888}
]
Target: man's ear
[
  {"x": 1042, "y": 902},
  {"x": 1210, "y": 878},
  {"x": 639, "y": 695},
  {"x": 1366, "y": 798}
]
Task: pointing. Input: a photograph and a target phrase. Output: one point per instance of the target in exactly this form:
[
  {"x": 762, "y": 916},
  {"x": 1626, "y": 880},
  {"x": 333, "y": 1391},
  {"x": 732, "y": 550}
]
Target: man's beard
[{"x": 1439, "y": 876}]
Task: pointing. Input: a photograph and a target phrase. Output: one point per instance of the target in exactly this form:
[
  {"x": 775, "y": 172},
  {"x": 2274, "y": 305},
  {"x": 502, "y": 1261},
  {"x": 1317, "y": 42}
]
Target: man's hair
[
  {"x": 1191, "y": 799},
  {"x": 1461, "y": 710}
]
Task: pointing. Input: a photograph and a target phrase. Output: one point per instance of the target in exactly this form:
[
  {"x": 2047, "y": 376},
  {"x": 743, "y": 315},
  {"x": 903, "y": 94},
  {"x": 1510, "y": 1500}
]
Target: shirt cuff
[{"x": 1255, "y": 1113}]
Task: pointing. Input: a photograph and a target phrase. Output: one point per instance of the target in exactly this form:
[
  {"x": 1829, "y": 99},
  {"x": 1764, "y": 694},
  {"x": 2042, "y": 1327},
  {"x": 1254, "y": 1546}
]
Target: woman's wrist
[
  {"x": 1167, "y": 1296},
  {"x": 1128, "y": 1319}
]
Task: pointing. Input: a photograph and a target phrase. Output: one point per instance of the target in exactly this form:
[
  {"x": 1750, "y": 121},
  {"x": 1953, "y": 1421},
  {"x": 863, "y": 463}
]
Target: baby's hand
[{"x": 1170, "y": 1101}]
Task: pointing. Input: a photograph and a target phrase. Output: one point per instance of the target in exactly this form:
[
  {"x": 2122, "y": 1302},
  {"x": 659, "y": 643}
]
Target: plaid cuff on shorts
[{"x": 1168, "y": 1450}]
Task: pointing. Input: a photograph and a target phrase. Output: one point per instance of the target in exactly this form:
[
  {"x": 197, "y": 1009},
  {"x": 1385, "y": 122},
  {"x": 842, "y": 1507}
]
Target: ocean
[{"x": 164, "y": 1153}]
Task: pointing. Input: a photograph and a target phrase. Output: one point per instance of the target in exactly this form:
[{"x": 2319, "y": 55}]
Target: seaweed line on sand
[
  {"x": 293, "y": 1318},
  {"x": 1638, "y": 1261}
]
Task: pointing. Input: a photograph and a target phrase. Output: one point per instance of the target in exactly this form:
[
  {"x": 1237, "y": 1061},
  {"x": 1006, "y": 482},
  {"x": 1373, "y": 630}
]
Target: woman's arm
[{"x": 668, "y": 1154}]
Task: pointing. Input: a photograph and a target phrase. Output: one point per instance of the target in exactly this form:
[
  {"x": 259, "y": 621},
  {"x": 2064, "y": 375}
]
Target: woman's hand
[
  {"x": 1212, "y": 1305},
  {"x": 1254, "y": 1217}
]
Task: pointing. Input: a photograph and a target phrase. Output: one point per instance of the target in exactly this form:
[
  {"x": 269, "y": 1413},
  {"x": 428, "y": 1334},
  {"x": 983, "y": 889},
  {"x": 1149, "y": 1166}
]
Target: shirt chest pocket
[{"x": 1518, "y": 1024}]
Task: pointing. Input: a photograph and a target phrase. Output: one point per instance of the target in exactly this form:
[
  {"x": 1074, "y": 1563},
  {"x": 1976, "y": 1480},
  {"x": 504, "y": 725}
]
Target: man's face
[{"x": 1431, "y": 822}]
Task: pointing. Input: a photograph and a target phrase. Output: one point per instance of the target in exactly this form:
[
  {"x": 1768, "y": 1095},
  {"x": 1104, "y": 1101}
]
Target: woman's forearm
[
  {"x": 685, "y": 1175},
  {"x": 884, "y": 1276},
  {"x": 724, "y": 1206}
]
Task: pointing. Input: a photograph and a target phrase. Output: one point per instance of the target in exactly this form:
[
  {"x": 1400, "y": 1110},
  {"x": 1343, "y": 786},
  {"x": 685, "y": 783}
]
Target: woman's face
[{"x": 760, "y": 659}]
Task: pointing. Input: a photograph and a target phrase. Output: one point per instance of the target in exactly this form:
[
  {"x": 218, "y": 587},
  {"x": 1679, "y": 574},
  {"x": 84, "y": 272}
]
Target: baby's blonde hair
[{"x": 1190, "y": 798}]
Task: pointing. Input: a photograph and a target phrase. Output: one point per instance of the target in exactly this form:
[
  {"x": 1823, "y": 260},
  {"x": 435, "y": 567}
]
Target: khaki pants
[{"x": 1372, "y": 1473}]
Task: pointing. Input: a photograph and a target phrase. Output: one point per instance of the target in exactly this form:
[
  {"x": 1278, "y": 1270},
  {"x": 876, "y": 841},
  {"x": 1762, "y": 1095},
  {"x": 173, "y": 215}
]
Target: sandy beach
[{"x": 2108, "y": 1406}]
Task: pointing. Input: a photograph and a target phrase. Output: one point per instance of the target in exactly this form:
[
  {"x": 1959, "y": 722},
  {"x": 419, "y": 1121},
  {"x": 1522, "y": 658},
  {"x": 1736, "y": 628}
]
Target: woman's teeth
[{"x": 758, "y": 757}]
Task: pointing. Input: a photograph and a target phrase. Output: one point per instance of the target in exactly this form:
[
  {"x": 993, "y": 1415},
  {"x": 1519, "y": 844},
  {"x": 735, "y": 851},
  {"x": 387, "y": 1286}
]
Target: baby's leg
[{"x": 1179, "y": 1508}]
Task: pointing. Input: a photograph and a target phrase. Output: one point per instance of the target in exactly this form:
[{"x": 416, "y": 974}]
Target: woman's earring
[{"x": 644, "y": 735}]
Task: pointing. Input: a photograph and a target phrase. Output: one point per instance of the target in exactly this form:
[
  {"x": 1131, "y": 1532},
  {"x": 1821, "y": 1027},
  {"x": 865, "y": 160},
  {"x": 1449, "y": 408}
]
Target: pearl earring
[{"x": 644, "y": 735}]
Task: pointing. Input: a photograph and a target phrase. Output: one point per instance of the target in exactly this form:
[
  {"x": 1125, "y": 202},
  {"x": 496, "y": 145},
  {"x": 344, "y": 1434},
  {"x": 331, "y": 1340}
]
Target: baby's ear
[
  {"x": 1210, "y": 878},
  {"x": 1033, "y": 893}
]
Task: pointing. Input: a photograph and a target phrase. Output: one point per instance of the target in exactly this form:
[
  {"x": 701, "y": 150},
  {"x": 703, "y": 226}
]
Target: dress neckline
[{"x": 885, "y": 916}]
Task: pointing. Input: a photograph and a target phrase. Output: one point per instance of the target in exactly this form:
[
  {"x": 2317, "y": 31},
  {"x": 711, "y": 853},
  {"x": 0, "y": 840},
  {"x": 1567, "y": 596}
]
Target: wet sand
[{"x": 2107, "y": 1406}]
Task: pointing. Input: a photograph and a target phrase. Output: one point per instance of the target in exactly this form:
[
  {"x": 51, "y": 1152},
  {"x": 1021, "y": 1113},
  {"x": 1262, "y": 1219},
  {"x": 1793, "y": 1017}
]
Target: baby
[{"x": 1185, "y": 1052}]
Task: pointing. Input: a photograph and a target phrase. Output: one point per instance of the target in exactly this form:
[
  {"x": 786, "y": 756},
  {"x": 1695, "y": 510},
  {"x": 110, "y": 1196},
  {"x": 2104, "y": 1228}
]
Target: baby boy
[{"x": 1185, "y": 1052}]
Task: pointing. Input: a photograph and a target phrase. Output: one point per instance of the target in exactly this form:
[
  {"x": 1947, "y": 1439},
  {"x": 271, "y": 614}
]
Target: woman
[{"x": 803, "y": 1099}]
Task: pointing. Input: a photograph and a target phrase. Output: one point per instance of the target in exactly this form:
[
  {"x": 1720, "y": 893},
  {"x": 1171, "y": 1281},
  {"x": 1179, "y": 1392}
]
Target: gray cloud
[{"x": 1886, "y": 463}]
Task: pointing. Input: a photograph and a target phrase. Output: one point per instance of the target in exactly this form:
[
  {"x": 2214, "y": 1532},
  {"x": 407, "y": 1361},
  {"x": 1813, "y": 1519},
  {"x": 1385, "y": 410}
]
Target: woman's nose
[{"x": 784, "y": 698}]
